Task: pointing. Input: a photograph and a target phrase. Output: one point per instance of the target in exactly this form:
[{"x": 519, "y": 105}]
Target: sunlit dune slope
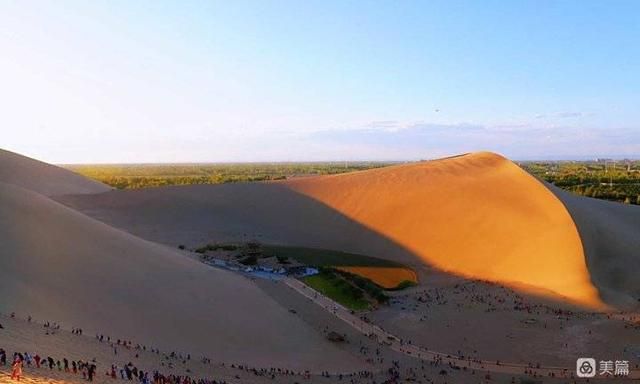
[
  {"x": 477, "y": 215},
  {"x": 44, "y": 178},
  {"x": 60, "y": 265}
]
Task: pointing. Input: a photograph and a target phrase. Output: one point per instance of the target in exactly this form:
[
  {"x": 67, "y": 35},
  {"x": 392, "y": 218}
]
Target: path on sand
[{"x": 415, "y": 351}]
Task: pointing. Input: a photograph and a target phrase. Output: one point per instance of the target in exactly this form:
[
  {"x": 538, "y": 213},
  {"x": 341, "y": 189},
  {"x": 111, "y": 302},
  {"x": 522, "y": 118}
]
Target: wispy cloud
[
  {"x": 517, "y": 140},
  {"x": 567, "y": 115},
  {"x": 563, "y": 115},
  {"x": 390, "y": 125}
]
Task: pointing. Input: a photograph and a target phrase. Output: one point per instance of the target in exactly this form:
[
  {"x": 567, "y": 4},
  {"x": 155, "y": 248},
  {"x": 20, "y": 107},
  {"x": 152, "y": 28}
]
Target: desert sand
[
  {"x": 610, "y": 234},
  {"x": 492, "y": 322},
  {"x": 476, "y": 215},
  {"x": 44, "y": 178},
  {"x": 61, "y": 265},
  {"x": 270, "y": 213},
  {"x": 472, "y": 216},
  {"x": 30, "y": 337}
]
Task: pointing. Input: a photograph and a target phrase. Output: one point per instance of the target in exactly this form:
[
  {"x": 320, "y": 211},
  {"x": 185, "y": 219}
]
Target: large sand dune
[
  {"x": 269, "y": 212},
  {"x": 44, "y": 178},
  {"x": 61, "y": 265},
  {"x": 476, "y": 215}
]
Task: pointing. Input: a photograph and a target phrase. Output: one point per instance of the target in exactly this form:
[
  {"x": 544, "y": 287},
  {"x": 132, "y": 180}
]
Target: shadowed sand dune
[
  {"x": 61, "y": 265},
  {"x": 269, "y": 212},
  {"x": 44, "y": 178},
  {"x": 477, "y": 215},
  {"x": 610, "y": 234}
]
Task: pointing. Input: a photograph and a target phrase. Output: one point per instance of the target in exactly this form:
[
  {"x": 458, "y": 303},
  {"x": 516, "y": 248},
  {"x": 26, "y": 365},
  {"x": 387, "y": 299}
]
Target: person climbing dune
[{"x": 16, "y": 368}]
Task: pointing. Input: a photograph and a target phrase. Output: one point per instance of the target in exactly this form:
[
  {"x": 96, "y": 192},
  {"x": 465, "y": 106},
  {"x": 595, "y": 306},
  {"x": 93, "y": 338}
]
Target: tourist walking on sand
[
  {"x": 16, "y": 368},
  {"x": 91, "y": 370}
]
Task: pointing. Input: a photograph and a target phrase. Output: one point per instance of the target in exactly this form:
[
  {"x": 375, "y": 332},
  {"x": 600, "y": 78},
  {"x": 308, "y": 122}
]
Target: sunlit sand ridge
[{"x": 477, "y": 215}]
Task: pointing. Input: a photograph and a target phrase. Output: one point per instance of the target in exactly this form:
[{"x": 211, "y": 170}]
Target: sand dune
[
  {"x": 44, "y": 178},
  {"x": 476, "y": 215},
  {"x": 610, "y": 234},
  {"x": 60, "y": 265},
  {"x": 268, "y": 212}
]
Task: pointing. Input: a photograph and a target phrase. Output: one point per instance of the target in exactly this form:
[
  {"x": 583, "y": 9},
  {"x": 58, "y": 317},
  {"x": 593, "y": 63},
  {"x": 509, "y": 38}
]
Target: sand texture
[
  {"x": 44, "y": 178},
  {"x": 477, "y": 215},
  {"x": 61, "y": 265}
]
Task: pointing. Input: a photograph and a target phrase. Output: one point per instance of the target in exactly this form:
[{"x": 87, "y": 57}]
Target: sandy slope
[
  {"x": 269, "y": 212},
  {"x": 60, "y": 265},
  {"x": 478, "y": 215},
  {"x": 44, "y": 178},
  {"x": 610, "y": 234}
]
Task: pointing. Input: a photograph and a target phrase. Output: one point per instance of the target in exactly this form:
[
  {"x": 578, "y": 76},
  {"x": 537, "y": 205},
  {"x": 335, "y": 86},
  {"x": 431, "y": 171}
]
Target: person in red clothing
[
  {"x": 37, "y": 360},
  {"x": 16, "y": 368}
]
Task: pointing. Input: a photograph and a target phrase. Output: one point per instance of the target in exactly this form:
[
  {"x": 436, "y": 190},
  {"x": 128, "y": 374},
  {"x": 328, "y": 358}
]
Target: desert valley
[
  {"x": 319, "y": 192},
  {"x": 510, "y": 278}
]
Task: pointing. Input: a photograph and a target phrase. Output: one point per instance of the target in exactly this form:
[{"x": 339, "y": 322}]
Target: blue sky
[{"x": 122, "y": 81}]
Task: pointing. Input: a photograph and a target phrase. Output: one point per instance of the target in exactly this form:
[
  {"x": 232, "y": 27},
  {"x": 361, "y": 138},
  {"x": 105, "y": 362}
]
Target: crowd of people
[
  {"x": 88, "y": 369},
  {"x": 130, "y": 372},
  {"x": 21, "y": 359},
  {"x": 486, "y": 295}
]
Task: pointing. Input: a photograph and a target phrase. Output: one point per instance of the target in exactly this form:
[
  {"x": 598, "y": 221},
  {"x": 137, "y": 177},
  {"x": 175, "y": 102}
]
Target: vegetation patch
[
  {"x": 404, "y": 285},
  {"x": 392, "y": 278},
  {"x": 352, "y": 291},
  {"x": 283, "y": 260},
  {"x": 372, "y": 289},
  {"x": 338, "y": 289},
  {"x": 131, "y": 176},
  {"x": 601, "y": 179},
  {"x": 217, "y": 247},
  {"x": 249, "y": 260},
  {"x": 325, "y": 258}
]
